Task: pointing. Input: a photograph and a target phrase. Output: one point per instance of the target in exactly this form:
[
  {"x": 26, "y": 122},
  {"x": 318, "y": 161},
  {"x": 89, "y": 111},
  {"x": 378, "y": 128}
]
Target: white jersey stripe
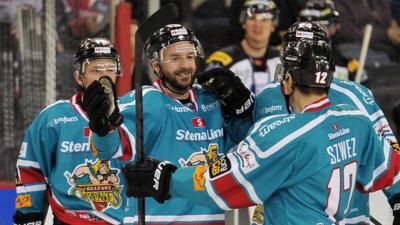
[
  {"x": 316, "y": 105},
  {"x": 351, "y": 95},
  {"x": 381, "y": 168},
  {"x": 261, "y": 121},
  {"x": 242, "y": 180},
  {"x": 357, "y": 102},
  {"x": 178, "y": 218},
  {"x": 376, "y": 115},
  {"x": 355, "y": 220},
  {"x": 31, "y": 188},
  {"x": 290, "y": 137},
  {"x": 27, "y": 163},
  {"x": 105, "y": 217}
]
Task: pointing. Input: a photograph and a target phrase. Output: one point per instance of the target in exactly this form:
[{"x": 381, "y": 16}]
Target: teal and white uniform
[{"x": 186, "y": 135}]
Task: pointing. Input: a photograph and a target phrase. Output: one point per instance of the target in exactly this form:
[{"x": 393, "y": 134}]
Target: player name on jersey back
[{"x": 343, "y": 150}]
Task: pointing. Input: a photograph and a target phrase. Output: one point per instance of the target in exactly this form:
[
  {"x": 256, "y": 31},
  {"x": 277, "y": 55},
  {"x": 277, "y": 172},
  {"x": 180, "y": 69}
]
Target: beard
[{"x": 178, "y": 83}]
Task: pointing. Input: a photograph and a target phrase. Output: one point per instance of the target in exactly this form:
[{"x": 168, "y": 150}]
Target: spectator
[
  {"x": 252, "y": 59},
  {"x": 287, "y": 16}
]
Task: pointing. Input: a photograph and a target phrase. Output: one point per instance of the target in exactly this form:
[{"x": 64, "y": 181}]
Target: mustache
[{"x": 184, "y": 71}]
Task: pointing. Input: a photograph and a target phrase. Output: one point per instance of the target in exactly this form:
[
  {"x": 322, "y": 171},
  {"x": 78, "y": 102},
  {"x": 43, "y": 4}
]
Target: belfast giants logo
[
  {"x": 97, "y": 183},
  {"x": 208, "y": 135},
  {"x": 202, "y": 157}
]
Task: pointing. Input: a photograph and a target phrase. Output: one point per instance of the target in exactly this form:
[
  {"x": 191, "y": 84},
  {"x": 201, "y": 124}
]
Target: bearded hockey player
[
  {"x": 305, "y": 165},
  {"x": 182, "y": 122}
]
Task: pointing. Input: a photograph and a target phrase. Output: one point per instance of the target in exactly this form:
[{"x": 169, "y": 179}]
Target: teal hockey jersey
[
  {"x": 304, "y": 167},
  {"x": 271, "y": 102},
  {"x": 55, "y": 166},
  {"x": 186, "y": 135}
]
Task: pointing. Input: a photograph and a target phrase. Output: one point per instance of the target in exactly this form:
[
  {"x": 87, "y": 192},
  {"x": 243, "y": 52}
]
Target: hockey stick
[
  {"x": 166, "y": 15},
  {"x": 364, "y": 51},
  {"x": 362, "y": 59}
]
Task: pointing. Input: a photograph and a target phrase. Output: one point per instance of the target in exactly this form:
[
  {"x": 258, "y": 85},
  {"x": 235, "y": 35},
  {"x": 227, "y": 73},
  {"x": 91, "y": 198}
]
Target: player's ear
[
  {"x": 78, "y": 78},
  {"x": 156, "y": 68},
  {"x": 273, "y": 28}
]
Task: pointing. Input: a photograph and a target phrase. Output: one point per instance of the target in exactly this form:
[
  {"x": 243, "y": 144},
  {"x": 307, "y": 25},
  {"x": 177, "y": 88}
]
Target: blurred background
[{"x": 38, "y": 39}]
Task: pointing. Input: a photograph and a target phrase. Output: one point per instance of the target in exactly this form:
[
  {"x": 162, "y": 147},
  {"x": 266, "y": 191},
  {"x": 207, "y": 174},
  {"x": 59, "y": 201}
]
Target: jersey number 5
[{"x": 340, "y": 178}]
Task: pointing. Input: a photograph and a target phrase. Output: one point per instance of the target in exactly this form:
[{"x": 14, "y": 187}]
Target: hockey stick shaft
[
  {"x": 364, "y": 51},
  {"x": 166, "y": 15},
  {"x": 362, "y": 59}
]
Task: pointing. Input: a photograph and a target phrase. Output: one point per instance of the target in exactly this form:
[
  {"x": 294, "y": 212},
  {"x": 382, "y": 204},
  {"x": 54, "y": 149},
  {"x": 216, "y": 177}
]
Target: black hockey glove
[
  {"x": 28, "y": 218},
  {"x": 113, "y": 115},
  {"x": 237, "y": 100},
  {"x": 149, "y": 178},
  {"x": 395, "y": 203},
  {"x": 100, "y": 104}
]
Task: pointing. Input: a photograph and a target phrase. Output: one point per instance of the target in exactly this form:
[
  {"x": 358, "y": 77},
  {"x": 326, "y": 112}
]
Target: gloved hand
[
  {"x": 100, "y": 104},
  {"x": 149, "y": 178},
  {"x": 395, "y": 204},
  {"x": 28, "y": 218},
  {"x": 237, "y": 100},
  {"x": 113, "y": 115}
]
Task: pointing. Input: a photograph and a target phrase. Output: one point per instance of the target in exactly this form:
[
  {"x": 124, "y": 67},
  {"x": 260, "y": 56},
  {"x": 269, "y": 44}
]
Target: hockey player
[
  {"x": 252, "y": 59},
  {"x": 305, "y": 165},
  {"x": 55, "y": 166},
  {"x": 182, "y": 123},
  {"x": 272, "y": 102}
]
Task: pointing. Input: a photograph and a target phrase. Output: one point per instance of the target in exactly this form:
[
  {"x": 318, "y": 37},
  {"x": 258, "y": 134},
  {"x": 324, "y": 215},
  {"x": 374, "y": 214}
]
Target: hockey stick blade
[{"x": 166, "y": 15}]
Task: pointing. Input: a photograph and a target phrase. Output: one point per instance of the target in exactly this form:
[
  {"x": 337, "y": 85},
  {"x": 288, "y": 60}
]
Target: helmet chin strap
[{"x": 287, "y": 97}]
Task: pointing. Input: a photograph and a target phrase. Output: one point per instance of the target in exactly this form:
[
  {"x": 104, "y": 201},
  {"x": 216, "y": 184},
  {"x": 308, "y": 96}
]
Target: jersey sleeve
[
  {"x": 120, "y": 143},
  {"x": 34, "y": 165},
  {"x": 236, "y": 130},
  {"x": 361, "y": 97},
  {"x": 380, "y": 165},
  {"x": 269, "y": 102},
  {"x": 238, "y": 179}
]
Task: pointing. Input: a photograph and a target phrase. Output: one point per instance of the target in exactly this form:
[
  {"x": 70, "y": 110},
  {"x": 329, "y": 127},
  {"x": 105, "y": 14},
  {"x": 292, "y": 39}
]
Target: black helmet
[
  {"x": 167, "y": 35},
  {"x": 307, "y": 55},
  {"x": 92, "y": 48},
  {"x": 321, "y": 11},
  {"x": 267, "y": 7}
]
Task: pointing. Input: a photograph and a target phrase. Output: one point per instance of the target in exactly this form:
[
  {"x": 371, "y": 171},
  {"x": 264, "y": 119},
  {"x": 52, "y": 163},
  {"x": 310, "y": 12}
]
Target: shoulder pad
[{"x": 220, "y": 56}]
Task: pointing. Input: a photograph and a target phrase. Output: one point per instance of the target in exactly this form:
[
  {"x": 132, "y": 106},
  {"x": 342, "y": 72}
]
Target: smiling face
[{"x": 178, "y": 65}]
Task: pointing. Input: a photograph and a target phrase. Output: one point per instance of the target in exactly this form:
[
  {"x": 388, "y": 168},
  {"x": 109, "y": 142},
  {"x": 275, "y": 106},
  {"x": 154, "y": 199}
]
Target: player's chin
[{"x": 185, "y": 85}]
